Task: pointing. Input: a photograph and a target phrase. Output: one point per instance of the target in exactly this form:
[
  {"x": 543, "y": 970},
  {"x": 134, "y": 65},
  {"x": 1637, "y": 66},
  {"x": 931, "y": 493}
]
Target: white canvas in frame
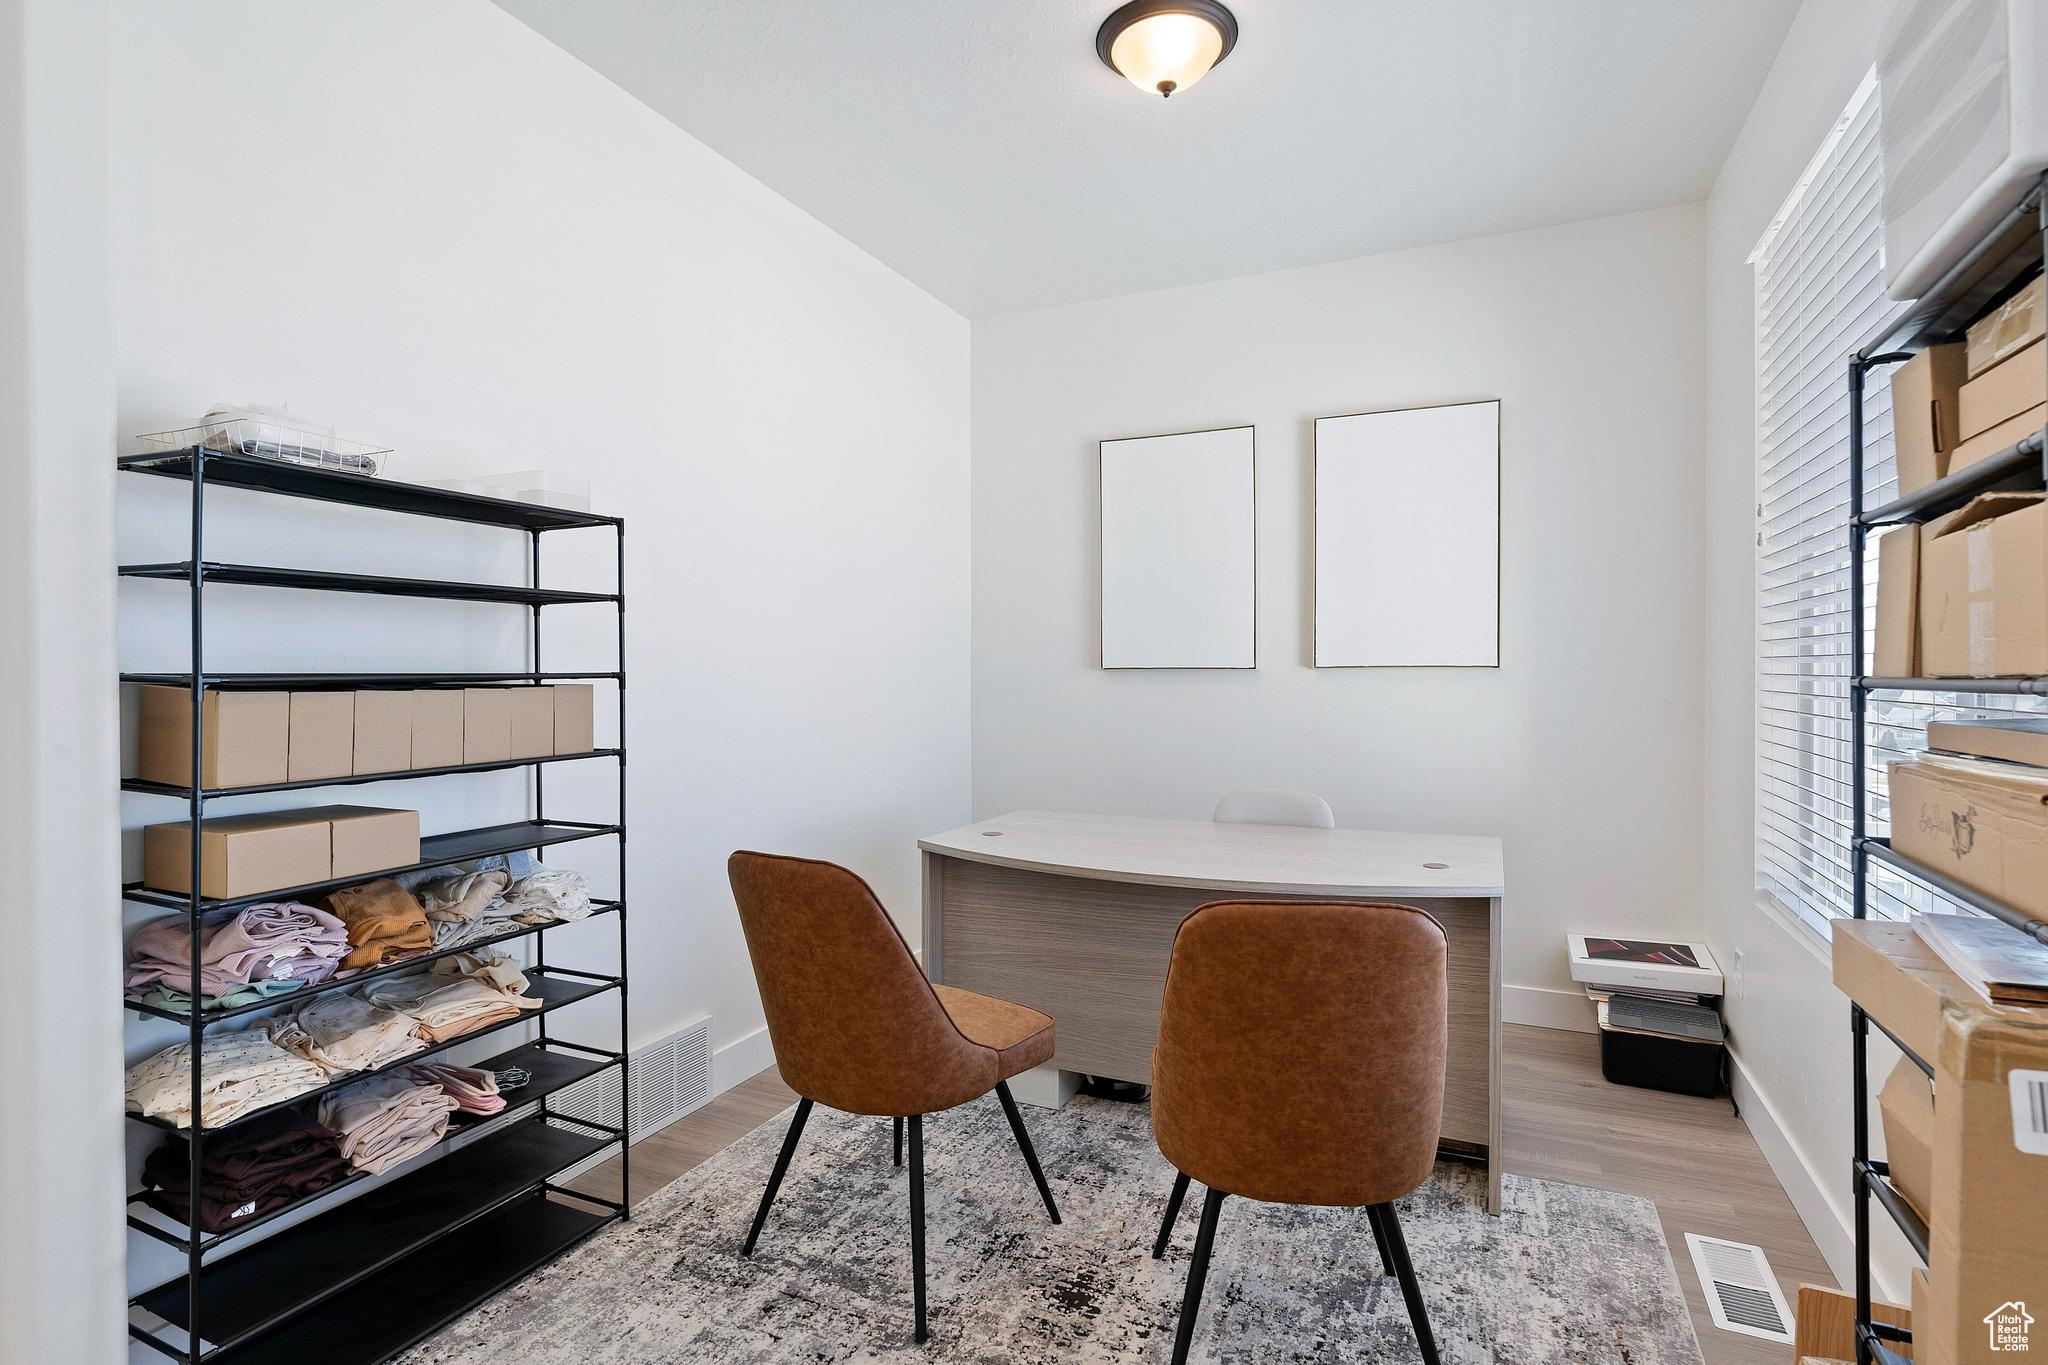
[
  {"x": 1177, "y": 547},
  {"x": 1408, "y": 538}
]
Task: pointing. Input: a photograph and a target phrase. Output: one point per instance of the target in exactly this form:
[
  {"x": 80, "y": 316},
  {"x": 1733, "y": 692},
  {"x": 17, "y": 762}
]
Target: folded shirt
[
  {"x": 386, "y": 923},
  {"x": 164, "y": 998},
  {"x": 386, "y": 1120},
  {"x": 465, "y": 897},
  {"x": 263, "y": 1165},
  {"x": 553, "y": 894},
  {"x": 273, "y": 941},
  {"x": 241, "y": 1070},
  {"x": 341, "y": 1033},
  {"x": 474, "y": 1090}
]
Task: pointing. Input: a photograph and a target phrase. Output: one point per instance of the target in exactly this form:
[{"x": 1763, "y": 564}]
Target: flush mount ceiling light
[{"x": 1162, "y": 46}]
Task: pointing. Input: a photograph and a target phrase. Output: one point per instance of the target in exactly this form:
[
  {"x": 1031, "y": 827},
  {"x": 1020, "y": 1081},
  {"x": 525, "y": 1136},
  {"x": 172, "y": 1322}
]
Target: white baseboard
[
  {"x": 1547, "y": 1007},
  {"x": 741, "y": 1059},
  {"x": 1829, "y": 1223}
]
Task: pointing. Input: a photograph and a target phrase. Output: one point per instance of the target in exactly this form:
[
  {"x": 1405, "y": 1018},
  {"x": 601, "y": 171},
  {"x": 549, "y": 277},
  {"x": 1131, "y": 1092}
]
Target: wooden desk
[{"x": 1075, "y": 914}]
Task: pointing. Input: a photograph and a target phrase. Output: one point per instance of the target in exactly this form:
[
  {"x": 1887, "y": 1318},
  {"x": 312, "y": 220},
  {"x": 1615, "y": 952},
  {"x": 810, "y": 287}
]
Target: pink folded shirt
[{"x": 276, "y": 940}]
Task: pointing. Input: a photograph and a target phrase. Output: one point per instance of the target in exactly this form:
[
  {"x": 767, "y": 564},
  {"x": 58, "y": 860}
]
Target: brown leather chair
[
  {"x": 1301, "y": 1061},
  {"x": 857, "y": 1026}
]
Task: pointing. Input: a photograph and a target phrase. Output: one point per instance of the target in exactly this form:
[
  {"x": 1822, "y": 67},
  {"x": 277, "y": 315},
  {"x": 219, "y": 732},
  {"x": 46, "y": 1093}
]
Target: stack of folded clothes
[
  {"x": 457, "y": 995},
  {"x": 386, "y": 923},
  {"x": 474, "y": 1090},
  {"x": 468, "y": 907},
  {"x": 241, "y": 1070},
  {"x": 244, "y": 1173},
  {"x": 341, "y": 1033},
  {"x": 547, "y": 894},
  {"x": 386, "y": 1120},
  {"x": 245, "y": 955}
]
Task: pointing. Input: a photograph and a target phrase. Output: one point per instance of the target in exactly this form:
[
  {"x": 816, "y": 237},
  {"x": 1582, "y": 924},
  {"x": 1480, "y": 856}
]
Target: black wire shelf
[
  {"x": 207, "y": 1018},
  {"x": 291, "y": 1275},
  {"x": 322, "y": 580},
  {"x": 136, "y": 784},
  {"x": 353, "y": 681},
  {"x": 2002, "y": 258},
  {"x": 1882, "y": 850},
  {"x": 553, "y": 1064},
  {"x": 305, "y": 481},
  {"x": 554, "y": 989},
  {"x": 436, "y": 850},
  {"x": 2019, "y": 467}
]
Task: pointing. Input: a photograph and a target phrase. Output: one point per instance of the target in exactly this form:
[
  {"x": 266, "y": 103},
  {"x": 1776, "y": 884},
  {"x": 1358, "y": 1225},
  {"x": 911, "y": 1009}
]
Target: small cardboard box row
[
  {"x": 246, "y": 855},
  {"x": 1985, "y": 824},
  {"x": 1972, "y": 1156},
  {"x": 252, "y": 739},
  {"x": 1944, "y": 421},
  {"x": 1966, "y": 595}
]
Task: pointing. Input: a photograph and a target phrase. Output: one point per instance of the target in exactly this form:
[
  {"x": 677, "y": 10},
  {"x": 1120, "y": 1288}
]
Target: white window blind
[{"x": 1819, "y": 292}]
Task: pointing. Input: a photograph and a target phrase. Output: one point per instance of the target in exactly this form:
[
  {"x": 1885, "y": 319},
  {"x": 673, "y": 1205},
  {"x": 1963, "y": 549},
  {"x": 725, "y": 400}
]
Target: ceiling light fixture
[{"x": 1162, "y": 46}]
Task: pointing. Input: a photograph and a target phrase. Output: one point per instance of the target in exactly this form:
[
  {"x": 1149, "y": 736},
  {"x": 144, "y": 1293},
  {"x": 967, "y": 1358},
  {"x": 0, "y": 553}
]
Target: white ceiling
[{"x": 980, "y": 149}]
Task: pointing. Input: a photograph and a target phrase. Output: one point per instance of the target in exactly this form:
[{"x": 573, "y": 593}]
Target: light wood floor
[{"x": 1561, "y": 1122}]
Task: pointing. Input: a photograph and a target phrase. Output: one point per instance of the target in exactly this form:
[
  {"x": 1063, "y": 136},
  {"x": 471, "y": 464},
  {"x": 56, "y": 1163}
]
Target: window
[{"x": 1819, "y": 294}]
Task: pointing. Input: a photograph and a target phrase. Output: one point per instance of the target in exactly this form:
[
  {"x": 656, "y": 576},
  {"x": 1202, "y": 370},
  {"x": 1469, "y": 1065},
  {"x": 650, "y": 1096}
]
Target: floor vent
[
  {"x": 1741, "y": 1291},
  {"x": 670, "y": 1077}
]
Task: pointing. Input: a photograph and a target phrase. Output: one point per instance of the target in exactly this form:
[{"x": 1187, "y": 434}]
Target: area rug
[{"x": 1564, "y": 1275}]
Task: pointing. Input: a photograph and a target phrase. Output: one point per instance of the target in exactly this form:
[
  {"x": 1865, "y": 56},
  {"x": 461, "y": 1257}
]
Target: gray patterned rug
[{"x": 1564, "y": 1275}]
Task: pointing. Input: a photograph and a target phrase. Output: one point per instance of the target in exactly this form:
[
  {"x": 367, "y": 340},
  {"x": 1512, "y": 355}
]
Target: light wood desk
[{"x": 1075, "y": 914}]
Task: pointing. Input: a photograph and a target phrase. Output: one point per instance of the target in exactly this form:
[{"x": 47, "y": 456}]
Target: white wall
[
  {"x": 1582, "y": 750},
  {"x": 1788, "y": 1026},
  {"x": 60, "y": 1101}
]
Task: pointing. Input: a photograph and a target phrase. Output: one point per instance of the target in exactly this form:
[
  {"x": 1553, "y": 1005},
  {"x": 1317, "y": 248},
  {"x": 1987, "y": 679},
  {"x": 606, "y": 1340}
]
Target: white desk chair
[{"x": 1272, "y": 806}]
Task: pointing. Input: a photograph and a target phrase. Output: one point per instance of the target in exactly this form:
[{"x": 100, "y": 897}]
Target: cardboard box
[
  {"x": 486, "y": 724},
  {"x": 575, "y": 718},
  {"x": 245, "y": 737},
  {"x": 1907, "y": 1106},
  {"x": 1824, "y": 1323},
  {"x": 1984, "y": 588},
  {"x": 1927, "y": 1351},
  {"x": 1884, "y": 967},
  {"x": 1984, "y": 824},
  {"x": 437, "y": 715},
  {"x": 2010, "y": 327},
  {"x": 239, "y": 855},
  {"x": 1897, "y": 651},
  {"x": 1998, "y": 439},
  {"x": 1925, "y": 416},
  {"x": 1987, "y": 1255},
  {"x": 323, "y": 735},
  {"x": 2015, "y": 738},
  {"x": 366, "y": 839},
  {"x": 2017, "y": 384},
  {"x": 383, "y": 741},
  {"x": 533, "y": 721}
]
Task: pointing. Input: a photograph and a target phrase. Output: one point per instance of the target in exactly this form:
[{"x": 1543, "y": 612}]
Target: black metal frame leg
[
  {"x": 1173, "y": 1201},
  {"x": 1379, "y": 1236},
  {"x": 1418, "y": 1312},
  {"x": 1024, "y": 1143},
  {"x": 796, "y": 1130},
  {"x": 1198, "y": 1274},
  {"x": 917, "y": 1218},
  {"x": 898, "y": 1125}
]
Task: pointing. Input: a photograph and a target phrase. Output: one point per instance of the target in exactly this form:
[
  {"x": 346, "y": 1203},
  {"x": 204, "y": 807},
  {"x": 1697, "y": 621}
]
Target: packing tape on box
[{"x": 1983, "y": 640}]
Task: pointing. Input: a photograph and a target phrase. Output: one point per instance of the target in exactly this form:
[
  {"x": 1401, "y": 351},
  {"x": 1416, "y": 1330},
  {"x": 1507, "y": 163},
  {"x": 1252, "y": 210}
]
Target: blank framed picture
[
  {"x": 1178, "y": 577},
  {"x": 1408, "y": 538}
]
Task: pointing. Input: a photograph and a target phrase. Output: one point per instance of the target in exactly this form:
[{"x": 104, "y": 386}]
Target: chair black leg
[
  {"x": 796, "y": 1130},
  {"x": 899, "y": 1141},
  {"x": 1180, "y": 1192},
  {"x": 1418, "y": 1313},
  {"x": 1024, "y": 1142},
  {"x": 1198, "y": 1273},
  {"x": 917, "y": 1219},
  {"x": 1379, "y": 1235}
]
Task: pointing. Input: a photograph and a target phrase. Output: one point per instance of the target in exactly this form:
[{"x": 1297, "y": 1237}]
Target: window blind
[{"x": 1819, "y": 293}]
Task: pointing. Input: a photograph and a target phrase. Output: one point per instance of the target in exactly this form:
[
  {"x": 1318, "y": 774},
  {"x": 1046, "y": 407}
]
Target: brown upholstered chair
[
  {"x": 857, "y": 1026},
  {"x": 1301, "y": 1061}
]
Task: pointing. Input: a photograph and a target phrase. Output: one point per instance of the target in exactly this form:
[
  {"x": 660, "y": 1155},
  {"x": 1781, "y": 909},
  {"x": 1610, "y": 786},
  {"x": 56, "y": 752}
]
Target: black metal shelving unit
[
  {"x": 430, "y": 1244},
  {"x": 2003, "y": 260}
]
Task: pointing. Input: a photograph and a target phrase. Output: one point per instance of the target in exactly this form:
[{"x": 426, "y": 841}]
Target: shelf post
[
  {"x": 1859, "y": 1032},
  {"x": 625, "y": 1038},
  {"x": 195, "y": 1021}
]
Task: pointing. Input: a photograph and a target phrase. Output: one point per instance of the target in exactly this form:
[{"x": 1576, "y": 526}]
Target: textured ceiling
[{"x": 980, "y": 149}]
